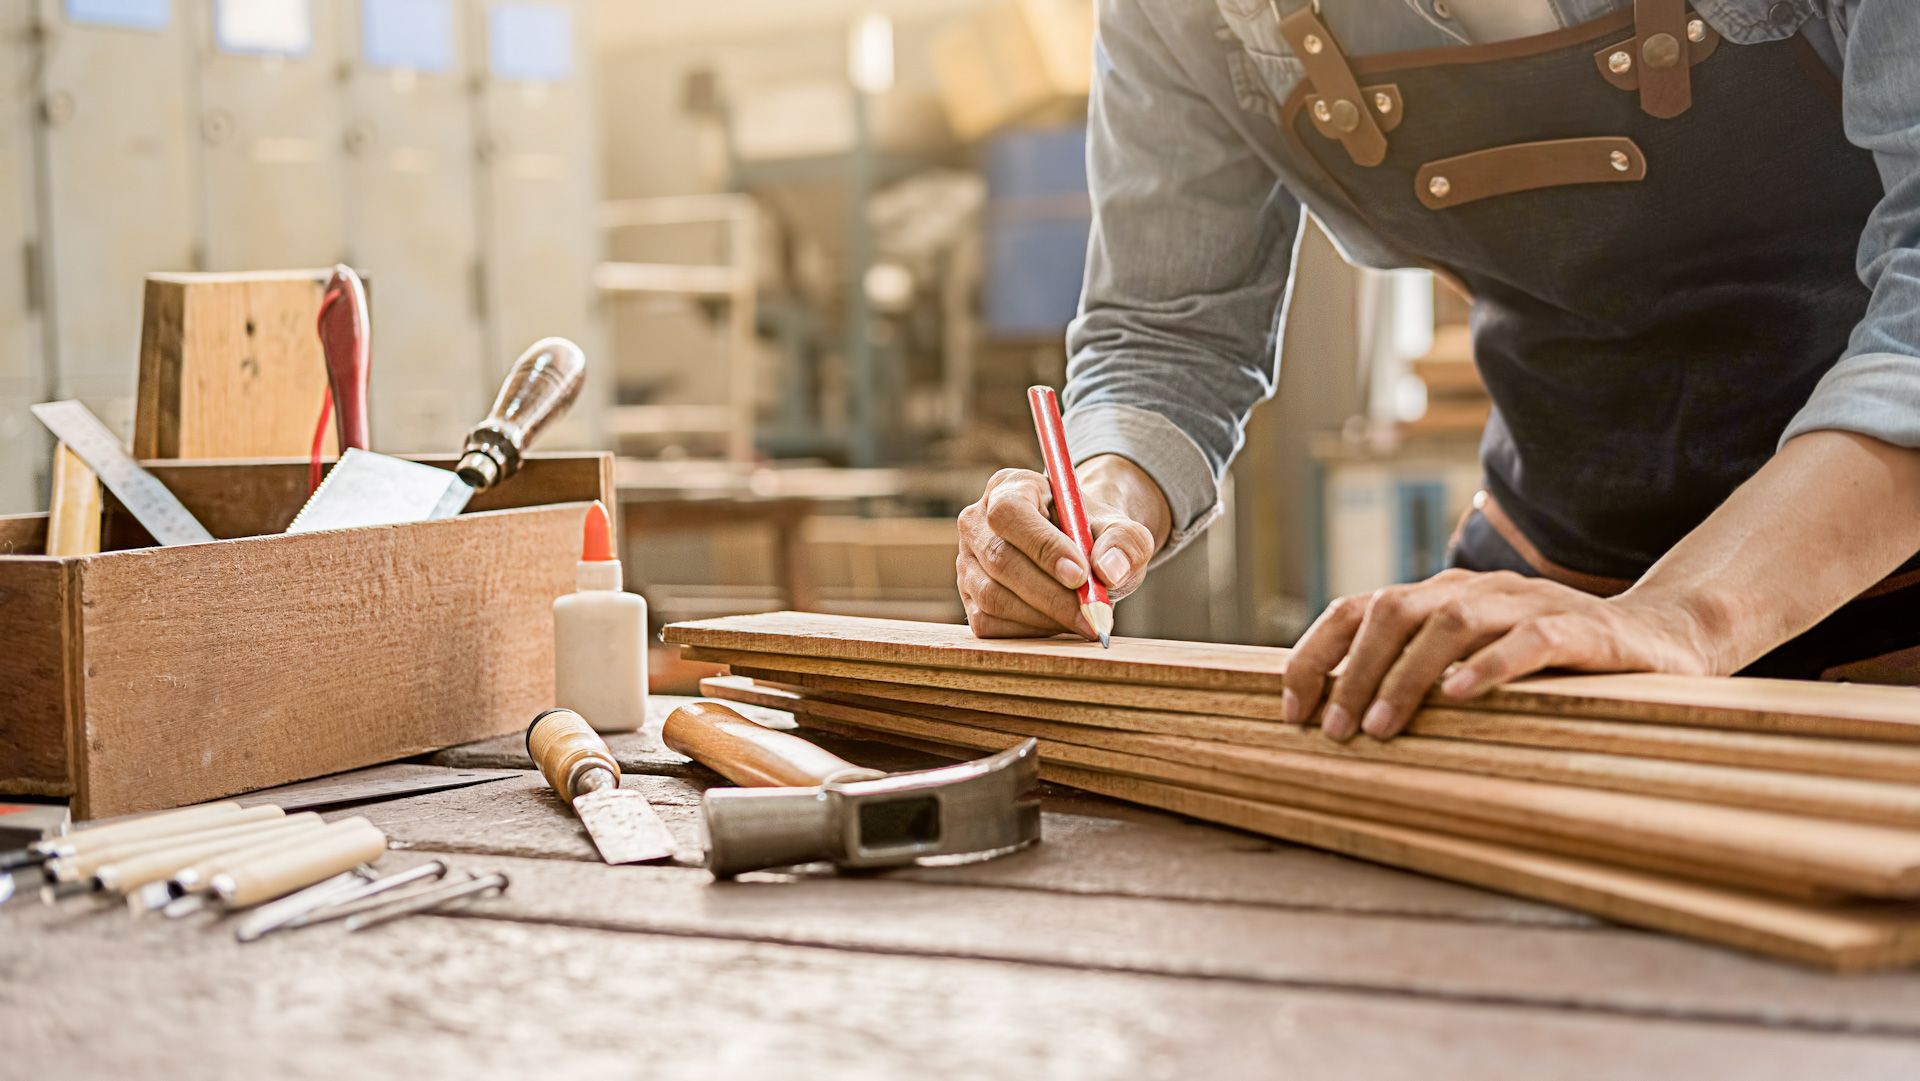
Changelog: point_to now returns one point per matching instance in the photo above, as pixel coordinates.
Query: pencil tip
(1106, 640)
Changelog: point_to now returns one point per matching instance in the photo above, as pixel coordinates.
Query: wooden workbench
(1130, 944)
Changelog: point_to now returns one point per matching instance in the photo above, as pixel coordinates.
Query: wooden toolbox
(145, 677)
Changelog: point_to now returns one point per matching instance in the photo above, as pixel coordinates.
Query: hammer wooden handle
(751, 754)
(563, 745)
(341, 846)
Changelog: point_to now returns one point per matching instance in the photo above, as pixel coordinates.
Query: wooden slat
(36, 600)
(201, 680)
(1144, 696)
(1873, 802)
(1841, 935)
(1844, 711)
(1866, 760)
(1406, 797)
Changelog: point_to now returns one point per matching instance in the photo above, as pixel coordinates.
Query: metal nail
(268, 917)
(369, 897)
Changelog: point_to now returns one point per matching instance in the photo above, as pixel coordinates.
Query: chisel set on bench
(273, 869)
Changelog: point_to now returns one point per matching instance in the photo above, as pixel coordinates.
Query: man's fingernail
(1336, 724)
(1069, 573)
(1115, 565)
(1379, 721)
(1290, 706)
(1460, 684)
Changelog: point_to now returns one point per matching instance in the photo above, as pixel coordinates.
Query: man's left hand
(1396, 642)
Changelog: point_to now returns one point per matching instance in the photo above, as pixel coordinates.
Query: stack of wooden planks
(1774, 816)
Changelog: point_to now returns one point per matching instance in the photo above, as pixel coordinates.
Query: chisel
(190, 879)
(123, 876)
(113, 832)
(338, 848)
(81, 865)
(576, 762)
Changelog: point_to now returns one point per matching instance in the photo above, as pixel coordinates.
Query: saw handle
(752, 754)
(344, 339)
(565, 746)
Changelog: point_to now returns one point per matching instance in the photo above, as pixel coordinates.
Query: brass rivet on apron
(1661, 51)
(1383, 101)
(1439, 186)
(1620, 62)
(1346, 115)
(1619, 160)
(1321, 112)
(1441, 9)
(1782, 14)
(1697, 30)
(1313, 44)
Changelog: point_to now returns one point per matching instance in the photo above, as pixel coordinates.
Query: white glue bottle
(600, 639)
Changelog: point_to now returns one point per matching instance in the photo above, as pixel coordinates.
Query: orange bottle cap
(597, 545)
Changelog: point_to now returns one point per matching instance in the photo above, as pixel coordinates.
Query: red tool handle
(1067, 508)
(345, 342)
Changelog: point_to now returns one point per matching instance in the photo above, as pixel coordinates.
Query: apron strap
(1666, 71)
(1348, 114)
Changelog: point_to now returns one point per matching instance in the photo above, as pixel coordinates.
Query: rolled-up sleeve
(1192, 237)
(1875, 387)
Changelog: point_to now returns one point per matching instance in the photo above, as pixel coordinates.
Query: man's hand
(1396, 642)
(1017, 571)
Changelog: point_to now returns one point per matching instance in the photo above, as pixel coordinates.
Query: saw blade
(624, 826)
(148, 500)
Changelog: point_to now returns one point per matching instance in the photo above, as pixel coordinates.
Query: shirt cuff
(1874, 394)
(1157, 445)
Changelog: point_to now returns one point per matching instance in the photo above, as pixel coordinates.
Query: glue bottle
(600, 639)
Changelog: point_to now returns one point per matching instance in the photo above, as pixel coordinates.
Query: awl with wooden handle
(576, 762)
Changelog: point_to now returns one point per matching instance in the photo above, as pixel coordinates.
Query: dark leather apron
(1658, 229)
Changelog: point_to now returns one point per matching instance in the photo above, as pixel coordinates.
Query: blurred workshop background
(815, 249)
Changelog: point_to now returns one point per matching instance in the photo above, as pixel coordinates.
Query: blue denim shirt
(1197, 206)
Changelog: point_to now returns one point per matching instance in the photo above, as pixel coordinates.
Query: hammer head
(956, 813)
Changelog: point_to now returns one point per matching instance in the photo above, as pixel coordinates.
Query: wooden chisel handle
(194, 877)
(158, 824)
(342, 846)
(565, 746)
(240, 823)
(126, 875)
(751, 754)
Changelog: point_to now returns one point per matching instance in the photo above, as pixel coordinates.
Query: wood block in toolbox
(147, 678)
(230, 365)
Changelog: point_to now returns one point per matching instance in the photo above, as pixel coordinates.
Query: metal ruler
(137, 490)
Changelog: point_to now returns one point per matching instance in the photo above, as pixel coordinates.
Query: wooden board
(1875, 802)
(1425, 799)
(199, 683)
(1866, 760)
(1143, 696)
(230, 365)
(1834, 710)
(1846, 936)
(38, 597)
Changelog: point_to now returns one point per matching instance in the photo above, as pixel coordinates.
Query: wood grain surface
(230, 365)
(1873, 802)
(1840, 935)
(38, 601)
(1863, 759)
(1570, 824)
(200, 682)
(1130, 943)
(1822, 709)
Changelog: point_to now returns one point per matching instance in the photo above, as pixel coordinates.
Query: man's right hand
(1018, 572)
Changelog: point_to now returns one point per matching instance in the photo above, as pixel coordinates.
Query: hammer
(804, 805)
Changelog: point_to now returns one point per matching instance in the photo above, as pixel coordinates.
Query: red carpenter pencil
(1095, 605)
